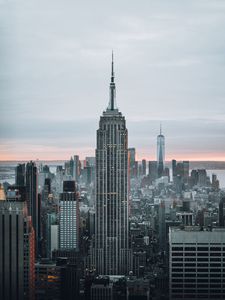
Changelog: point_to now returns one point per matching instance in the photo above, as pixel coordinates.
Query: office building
(112, 253)
(32, 197)
(132, 162)
(153, 173)
(20, 175)
(143, 167)
(69, 217)
(48, 279)
(17, 251)
(160, 153)
(222, 212)
(162, 226)
(76, 168)
(174, 166)
(215, 182)
(137, 288)
(102, 289)
(186, 171)
(196, 263)
(202, 177)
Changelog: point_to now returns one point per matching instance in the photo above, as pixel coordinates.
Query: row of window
(192, 270)
(191, 285)
(198, 248)
(198, 280)
(198, 275)
(197, 297)
(200, 291)
(198, 259)
(198, 254)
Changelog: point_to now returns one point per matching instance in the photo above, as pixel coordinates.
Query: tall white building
(69, 217)
(196, 263)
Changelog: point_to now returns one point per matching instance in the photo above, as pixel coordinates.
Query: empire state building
(112, 255)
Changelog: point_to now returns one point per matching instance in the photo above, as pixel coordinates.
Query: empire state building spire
(112, 90)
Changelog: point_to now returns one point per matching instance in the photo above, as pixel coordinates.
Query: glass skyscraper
(160, 153)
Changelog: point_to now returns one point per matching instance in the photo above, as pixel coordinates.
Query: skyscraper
(76, 170)
(196, 258)
(69, 217)
(162, 226)
(160, 153)
(20, 175)
(174, 168)
(32, 197)
(222, 212)
(16, 249)
(143, 164)
(112, 253)
(133, 171)
(152, 171)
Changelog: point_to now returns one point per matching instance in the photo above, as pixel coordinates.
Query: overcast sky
(55, 61)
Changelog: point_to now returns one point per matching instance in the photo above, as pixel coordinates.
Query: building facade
(160, 153)
(197, 263)
(32, 197)
(222, 212)
(112, 253)
(69, 217)
(17, 250)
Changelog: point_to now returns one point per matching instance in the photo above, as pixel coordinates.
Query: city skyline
(112, 150)
(170, 69)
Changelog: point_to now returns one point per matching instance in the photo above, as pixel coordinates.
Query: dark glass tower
(20, 175)
(112, 254)
(222, 212)
(32, 197)
(160, 153)
(17, 253)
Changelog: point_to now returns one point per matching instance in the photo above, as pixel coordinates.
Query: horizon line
(51, 160)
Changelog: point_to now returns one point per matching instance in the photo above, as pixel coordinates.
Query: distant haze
(55, 61)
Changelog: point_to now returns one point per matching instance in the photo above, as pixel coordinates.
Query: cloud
(55, 70)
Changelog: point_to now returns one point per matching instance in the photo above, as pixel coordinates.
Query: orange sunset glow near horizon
(83, 153)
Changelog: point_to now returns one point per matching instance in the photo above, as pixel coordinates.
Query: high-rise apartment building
(69, 217)
(112, 253)
(17, 250)
(160, 153)
(196, 263)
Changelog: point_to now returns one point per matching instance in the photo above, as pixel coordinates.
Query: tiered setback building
(112, 253)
